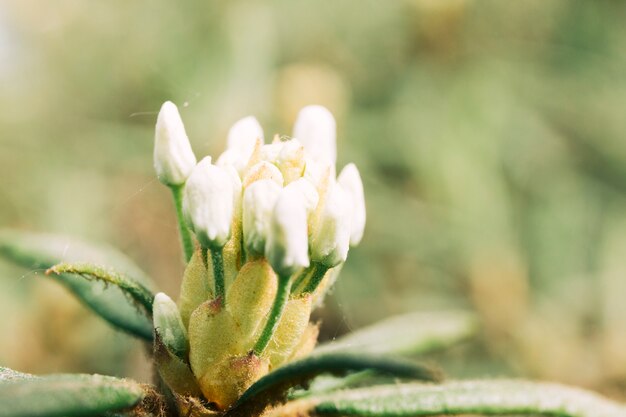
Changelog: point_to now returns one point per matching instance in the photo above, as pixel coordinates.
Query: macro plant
(265, 229)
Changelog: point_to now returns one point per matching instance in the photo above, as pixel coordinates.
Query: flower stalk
(319, 271)
(282, 296)
(185, 233)
(217, 260)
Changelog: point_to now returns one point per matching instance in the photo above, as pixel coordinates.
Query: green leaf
(497, 397)
(275, 384)
(67, 395)
(138, 293)
(408, 334)
(42, 251)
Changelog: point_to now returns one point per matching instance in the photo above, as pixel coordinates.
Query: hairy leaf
(275, 384)
(497, 397)
(67, 395)
(413, 333)
(7, 374)
(42, 251)
(138, 293)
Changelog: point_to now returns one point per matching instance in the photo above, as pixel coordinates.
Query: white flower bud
(303, 189)
(263, 171)
(235, 180)
(290, 160)
(270, 151)
(208, 203)
(287, 247)
(243, 136)
(231, 157)
(350, 180)
(331, 236)
(259, 200)
(316, 129)
(314, 171)
(173, 158)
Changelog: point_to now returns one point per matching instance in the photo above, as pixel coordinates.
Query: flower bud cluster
(272, 221)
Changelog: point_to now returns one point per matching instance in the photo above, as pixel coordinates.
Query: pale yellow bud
(250, 298)
(225, 382)
(213, 336)
(289, 332)
(196, 287)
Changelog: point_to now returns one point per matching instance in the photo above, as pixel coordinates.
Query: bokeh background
(490, 137)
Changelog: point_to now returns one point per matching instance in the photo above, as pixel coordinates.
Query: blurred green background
(490, 136)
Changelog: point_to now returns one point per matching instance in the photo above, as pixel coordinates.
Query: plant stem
(217, 260)
(319, 271)
(282, 295)
(185, 233)
(300, 279)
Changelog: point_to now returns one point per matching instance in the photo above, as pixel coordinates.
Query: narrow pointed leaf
(408, 334)
(497, 397)
(42, 251)
(137, 292)
(67, 396)
(275, 384)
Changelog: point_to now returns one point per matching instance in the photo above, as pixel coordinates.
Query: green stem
(300, 279)
(319, 271)
(282, 295)
(185, 233)
(217, 260)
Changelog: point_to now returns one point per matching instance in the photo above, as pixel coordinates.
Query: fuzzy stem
(319, 271)
(185, 233)
(217, 260)
(282, 295)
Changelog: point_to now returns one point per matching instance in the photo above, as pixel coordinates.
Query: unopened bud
(303, 189)
(259, 200)
(173, 158)
(290, 160)
(350, 180)
(169, 325)
(270, 151)
(208, 203)
(287, 244)
(261, 171)
(235, 180)
(331, 236)
(243, 135)
(231, 157)
(316, 129)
